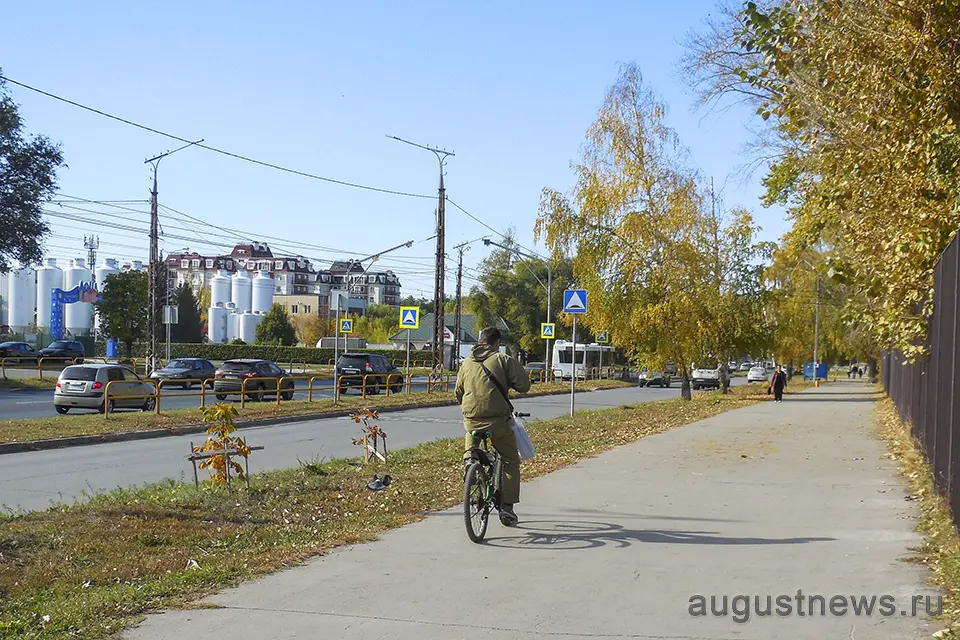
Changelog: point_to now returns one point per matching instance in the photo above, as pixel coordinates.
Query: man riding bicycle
(483, 381)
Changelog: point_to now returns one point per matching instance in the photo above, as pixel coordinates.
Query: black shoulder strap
(497, 384)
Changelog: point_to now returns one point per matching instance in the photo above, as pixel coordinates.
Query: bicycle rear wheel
(476, 510)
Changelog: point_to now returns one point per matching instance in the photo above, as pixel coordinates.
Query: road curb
(149, 434)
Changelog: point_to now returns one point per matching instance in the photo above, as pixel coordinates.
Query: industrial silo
(262, 292)
(22, 299)
(242, 291)
(217, 323)
(104, 271)
(247, 327)
(220, 289)
(232, 322)
(78, 316)
(49, 277)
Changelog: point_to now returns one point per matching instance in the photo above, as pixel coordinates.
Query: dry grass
(93, 424)
(94, 568)
(941, 548)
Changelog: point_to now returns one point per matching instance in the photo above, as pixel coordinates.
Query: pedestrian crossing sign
(346, 326)
(547, 330)
(603, 337)
(409, 317)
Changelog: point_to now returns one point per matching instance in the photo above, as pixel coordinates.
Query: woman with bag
(777, 383)
(483, 382)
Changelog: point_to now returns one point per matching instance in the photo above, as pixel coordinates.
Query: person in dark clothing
(778, 382)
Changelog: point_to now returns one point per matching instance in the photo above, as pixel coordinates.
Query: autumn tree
(631, 226)
(861, 110)
(188, 328)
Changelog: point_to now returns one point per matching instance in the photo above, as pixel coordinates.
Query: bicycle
(481, 484)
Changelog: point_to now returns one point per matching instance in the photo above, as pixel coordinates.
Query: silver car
(82, 387)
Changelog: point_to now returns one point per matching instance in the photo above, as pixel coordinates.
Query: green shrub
(278, 354)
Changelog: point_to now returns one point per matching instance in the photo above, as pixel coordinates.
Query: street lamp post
(548, 287)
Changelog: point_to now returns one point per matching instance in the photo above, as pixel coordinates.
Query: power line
(238, 156)
(481, 222)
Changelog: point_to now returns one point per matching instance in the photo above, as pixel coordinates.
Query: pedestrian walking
(860, 372)
(777, 383)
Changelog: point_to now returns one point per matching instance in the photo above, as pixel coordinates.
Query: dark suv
(261, 377)
(66, 349)
(353, 367)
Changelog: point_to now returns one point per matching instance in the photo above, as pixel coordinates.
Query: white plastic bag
(524, 445)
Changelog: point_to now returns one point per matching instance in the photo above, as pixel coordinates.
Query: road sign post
(575, 303)
(410, 319)
(603, 337)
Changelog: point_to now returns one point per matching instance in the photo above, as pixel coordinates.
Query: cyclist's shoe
(508, 516)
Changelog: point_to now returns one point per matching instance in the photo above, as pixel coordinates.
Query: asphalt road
(36, 479)
(23, 404)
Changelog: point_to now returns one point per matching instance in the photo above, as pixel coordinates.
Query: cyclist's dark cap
(490, 335)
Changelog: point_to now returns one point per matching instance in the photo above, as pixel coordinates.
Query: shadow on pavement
(554, 535)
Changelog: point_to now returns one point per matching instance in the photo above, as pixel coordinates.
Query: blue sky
(316, 87)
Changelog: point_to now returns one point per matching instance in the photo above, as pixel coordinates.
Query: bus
(588, 357)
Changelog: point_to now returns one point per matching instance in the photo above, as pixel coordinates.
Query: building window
(184, 264)
(209, 263)
(293, 309)
(306, 308)
(195, 263)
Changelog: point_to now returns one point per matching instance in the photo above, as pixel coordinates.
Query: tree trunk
(872, 369)
(685, 386)
(724, 379)
(129, 345)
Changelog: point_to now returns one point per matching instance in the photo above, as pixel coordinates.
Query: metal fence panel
(924, 391)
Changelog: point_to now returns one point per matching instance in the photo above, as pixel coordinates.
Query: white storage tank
(49, 277)
(77, 317)
(22, 298)
(262, 292)
(217, 323)
(247, 327)
(4, 298)
(220, 288)
(232, 318)
(104, 271)
(241, 293)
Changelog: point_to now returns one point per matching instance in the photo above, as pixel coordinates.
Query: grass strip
(27, 383)
(88, 570)
(940, 551)
(55, 426)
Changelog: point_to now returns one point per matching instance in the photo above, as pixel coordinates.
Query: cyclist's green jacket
(483, 405)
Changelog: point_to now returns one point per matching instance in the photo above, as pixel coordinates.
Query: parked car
(758, 374)
(261, 377)
(706, 378)
(82, 386)
(354, 367)
(745, 366)
(66, 349)
(537, 371)
(18, 350)
(191, 369)
(654, 378)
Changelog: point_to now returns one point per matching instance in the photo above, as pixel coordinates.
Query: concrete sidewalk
(762, 501)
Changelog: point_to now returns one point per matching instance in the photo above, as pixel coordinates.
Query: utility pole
(456, 331)
(154, 269)
(436, 343)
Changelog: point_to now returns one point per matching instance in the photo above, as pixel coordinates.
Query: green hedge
(277, 354)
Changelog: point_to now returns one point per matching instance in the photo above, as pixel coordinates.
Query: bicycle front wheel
(476, 509)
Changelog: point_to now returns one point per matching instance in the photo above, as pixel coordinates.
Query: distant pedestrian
(854, 370)
(778, 382)
(860, 371)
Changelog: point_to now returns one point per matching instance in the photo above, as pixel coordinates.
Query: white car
(758, 374)
(746, 366)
